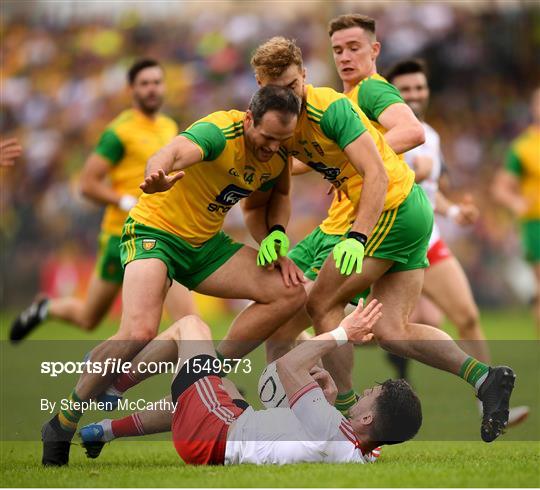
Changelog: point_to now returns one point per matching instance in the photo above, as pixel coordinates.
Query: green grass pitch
(447, 452)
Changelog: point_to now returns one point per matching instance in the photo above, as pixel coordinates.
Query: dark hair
(274, 98)
(347, 21)
(398, 413)
(406, 67)
(138, 66)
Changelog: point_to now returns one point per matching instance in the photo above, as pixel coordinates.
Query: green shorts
(530, 237)
(402, 234)
(311, 252)
(109, 266)
(185, 263)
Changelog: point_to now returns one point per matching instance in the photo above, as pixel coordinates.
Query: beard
(150, 104)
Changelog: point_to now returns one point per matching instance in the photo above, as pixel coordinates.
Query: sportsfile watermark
(37, 379)
(115, 366)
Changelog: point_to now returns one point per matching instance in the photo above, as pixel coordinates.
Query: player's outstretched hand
(159, 182)
(325, 381)
(290, 272)
(468, 212)
(360, 322)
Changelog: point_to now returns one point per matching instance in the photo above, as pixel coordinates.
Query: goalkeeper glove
(276, 239)
(349, 252)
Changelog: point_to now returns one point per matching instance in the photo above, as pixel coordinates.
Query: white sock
(111, 390)
(480, 406)
(44, 310)
(480, 381)
(107, 430)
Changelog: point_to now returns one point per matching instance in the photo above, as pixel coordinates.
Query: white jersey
(432, 149)
(310, 431)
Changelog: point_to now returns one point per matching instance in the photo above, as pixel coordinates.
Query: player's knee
(88, 324)
(296, 297)
(141, 334)
(389, 332)
(468, 320)
(191, 327)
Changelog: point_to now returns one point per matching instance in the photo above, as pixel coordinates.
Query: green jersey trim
(513, 163)
(110, 147)
(208, 137)
(268, 185)
(283, 153)
(341, 123)
(374, 96)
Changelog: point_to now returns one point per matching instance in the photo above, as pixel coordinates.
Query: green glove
(347, 253)
(276, 239)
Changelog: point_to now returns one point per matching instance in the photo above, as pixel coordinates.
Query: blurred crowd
(63, 79)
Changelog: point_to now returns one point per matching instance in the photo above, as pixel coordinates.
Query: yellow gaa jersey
(195, 207)
(373, 95)
(327, 124)
(127, 143)
(523, 160)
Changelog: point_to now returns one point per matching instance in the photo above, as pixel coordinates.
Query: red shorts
(438, 251)
(201, 421)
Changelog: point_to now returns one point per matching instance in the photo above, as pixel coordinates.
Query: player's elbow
(86, 188)
(284, 366)
(418, 135)
(381, 177)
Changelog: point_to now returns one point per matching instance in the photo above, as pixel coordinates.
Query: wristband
(340, 336)
(276, 228)
(127, 202)
(453, 211)
(358, 236)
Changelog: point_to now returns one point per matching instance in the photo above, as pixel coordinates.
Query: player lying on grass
(213, 424)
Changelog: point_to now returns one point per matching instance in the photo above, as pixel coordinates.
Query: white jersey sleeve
(319, 419)
(432, 149)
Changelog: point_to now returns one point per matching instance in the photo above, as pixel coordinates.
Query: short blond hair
(273, 57)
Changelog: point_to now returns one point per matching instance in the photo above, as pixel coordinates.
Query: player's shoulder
(166, 121)
(125, 118)
(230, 123)
(373, 81)
(530, 133)
(319, 99)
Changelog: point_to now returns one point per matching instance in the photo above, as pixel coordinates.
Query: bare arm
(404, 130)
(299, 168)
(422, 167)
(364, 156)
(463, 213)
(262, 210)
(178, 155)
(93, 182)
(295, 366)
(505, 190)
(254, 210)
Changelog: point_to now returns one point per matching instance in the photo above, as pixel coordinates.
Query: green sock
(70, 416)
(474, 372)
(344, 401)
